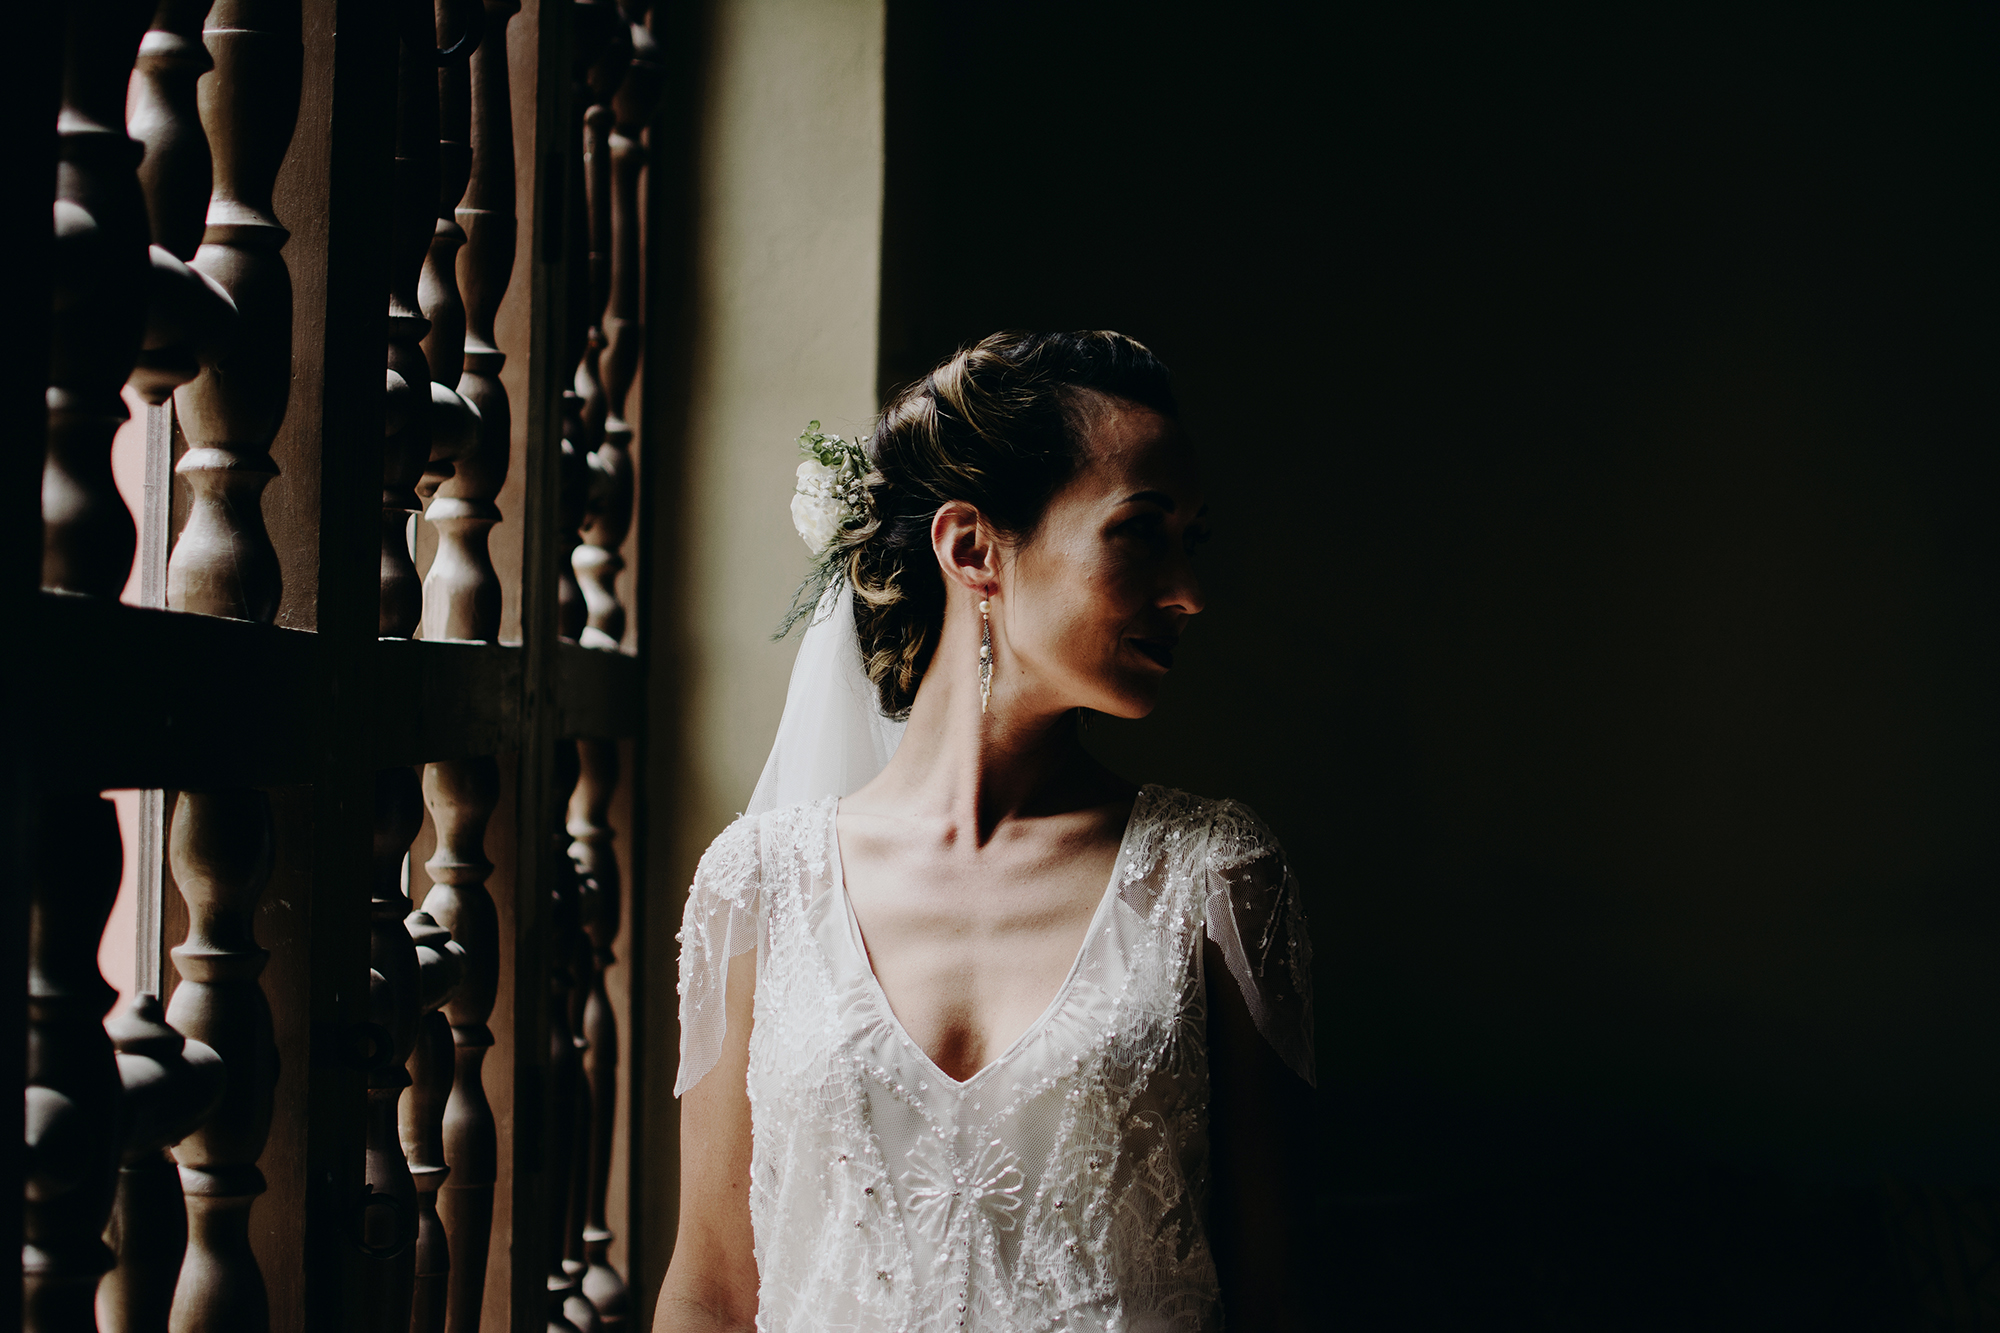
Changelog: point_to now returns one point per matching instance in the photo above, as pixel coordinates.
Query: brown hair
(1000, 425)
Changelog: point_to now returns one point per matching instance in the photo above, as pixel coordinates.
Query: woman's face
(1094, 601)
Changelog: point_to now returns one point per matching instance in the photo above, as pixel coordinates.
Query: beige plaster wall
(788, 239)
(779, 134)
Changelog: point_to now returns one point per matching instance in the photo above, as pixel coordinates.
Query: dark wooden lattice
(366, 1093)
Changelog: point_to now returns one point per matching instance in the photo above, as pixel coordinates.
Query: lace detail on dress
(723, 919)
(1060, 1188)
(1257, 920)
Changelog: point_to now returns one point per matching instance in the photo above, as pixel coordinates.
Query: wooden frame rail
(435, 701)
(371, 277)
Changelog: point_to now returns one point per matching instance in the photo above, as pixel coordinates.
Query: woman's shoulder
(1226, 832)
(753, 844)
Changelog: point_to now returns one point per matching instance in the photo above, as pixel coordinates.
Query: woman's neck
(976, 769)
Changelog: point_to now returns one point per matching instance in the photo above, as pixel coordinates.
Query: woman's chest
(969, 957)
(1064, 1174)
(1126, 1018)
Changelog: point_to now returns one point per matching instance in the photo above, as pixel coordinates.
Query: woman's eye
(1145, 525)
(1193, 539)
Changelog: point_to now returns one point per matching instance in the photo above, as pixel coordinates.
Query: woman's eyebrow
(1163, 500)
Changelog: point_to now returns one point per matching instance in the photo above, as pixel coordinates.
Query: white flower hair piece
(832, 497)
(832, 492)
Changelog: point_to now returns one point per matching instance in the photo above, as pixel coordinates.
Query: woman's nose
(1183, 592)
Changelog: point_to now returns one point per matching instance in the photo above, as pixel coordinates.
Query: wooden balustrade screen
(371, 1076)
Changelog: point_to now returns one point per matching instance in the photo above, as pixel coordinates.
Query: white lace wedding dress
(1060, 1187)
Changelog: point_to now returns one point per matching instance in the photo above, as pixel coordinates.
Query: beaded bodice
(1059, 1188)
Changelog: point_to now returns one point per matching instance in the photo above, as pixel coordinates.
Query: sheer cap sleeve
(723, 918)
(1258, 922)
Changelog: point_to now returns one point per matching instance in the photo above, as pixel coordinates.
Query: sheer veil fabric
(1062, 1186)
(832, 738)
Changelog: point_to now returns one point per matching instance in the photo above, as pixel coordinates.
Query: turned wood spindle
(190, 319)
(162, 115)
(462, 601)
(454, 434)
(171, 1085)
(593, 852)
(581, 1309)
(454, 421)
(572, 497)
(390, 1221)
(223, 563)
(406, 446)
(611, 463)
(607, 34)
(459, 27)
(100, 283)
(591, 570)
(461, 796)
(598, 46)
(567, 1308)
(634, 105)
(462, 590)
(609, 513)
(72, 1093)
(220, 847)
(440, 967)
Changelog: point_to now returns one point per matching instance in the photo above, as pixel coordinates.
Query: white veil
(833, 738)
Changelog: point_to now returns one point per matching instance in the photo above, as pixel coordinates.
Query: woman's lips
(1159, 650)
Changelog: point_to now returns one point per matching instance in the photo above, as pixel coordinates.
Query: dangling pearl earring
(985, 654)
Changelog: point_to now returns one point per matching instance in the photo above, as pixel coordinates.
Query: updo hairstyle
(1001, 426)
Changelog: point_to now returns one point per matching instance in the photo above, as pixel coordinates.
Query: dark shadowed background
(1598, 418)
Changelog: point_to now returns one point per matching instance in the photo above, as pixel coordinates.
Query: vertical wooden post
(567, 1307)
(634, 106)
(602, 47)
(160, 1070)
(220, 846)
(544, 559)
(163, 115)
(595, 856)
(71, 1110)
(462, 591)
(31, 99)
(224, 563)
(440, 967)
(616, 331)
(190, 320)
(599, 52)
(462, 600)
(101, 265)
(390, 1219)
(356, 94)
(455, 424)
(171, 1085)
(406, 448)
(72, 1079)
(461, 796)
(598, 563)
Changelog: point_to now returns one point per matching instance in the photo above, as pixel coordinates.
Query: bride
(989, 1038)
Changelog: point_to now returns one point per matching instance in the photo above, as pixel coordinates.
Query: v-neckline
(880, 997)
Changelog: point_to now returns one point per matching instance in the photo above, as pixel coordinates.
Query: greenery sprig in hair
(832, 498)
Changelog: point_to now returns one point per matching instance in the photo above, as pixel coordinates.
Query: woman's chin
(1130, 697)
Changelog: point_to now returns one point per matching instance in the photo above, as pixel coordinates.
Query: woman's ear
(965, 546)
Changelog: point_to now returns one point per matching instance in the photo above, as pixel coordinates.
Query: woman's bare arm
(1261, 1144)
(711, 1285)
